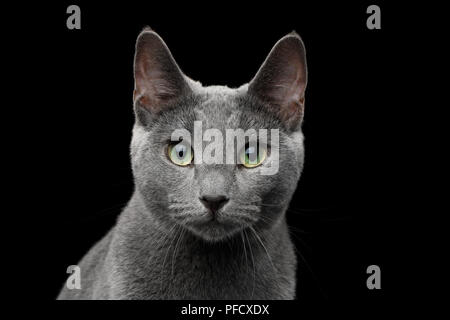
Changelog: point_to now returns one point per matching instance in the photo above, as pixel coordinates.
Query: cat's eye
(181, 154)
(253, 156)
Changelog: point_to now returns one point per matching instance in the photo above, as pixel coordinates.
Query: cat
(200, 231)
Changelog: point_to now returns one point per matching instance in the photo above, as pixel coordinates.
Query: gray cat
(195, 230)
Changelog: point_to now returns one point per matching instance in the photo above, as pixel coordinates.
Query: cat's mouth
(217, 226)
(214, 230)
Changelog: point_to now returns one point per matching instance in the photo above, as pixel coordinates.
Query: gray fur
(157, 250)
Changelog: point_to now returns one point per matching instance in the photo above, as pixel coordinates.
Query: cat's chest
(211, 277)
(203, 275)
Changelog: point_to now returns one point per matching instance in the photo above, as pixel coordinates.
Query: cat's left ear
(281, 80)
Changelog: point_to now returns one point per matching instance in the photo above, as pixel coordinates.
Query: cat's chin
(214, 231)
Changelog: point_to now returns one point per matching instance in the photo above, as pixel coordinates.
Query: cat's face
(217, 200)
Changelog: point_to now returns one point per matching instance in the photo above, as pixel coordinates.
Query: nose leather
(214, 202)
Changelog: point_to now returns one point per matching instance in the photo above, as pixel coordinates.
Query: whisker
(265, 249)
(253, 263)
(161, 243)
(298, 230)
(245, 249)
(167, 252)
(174, 254)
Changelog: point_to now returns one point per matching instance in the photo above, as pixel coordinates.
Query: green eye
(180, 154)
(250, 157)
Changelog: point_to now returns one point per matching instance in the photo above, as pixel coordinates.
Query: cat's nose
(214, 202)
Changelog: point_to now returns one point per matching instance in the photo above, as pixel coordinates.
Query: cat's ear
(158, 79)
(281, 80)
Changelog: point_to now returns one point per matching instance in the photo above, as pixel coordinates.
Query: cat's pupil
(250, 150)
(251, 153)
(180, 151)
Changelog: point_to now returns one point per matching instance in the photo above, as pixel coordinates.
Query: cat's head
(182, 179)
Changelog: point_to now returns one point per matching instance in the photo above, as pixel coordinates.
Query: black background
(343, 212)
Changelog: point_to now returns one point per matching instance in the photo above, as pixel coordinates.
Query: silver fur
(162, 246)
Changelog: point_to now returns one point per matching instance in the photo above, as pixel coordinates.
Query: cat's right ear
(158, 80)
